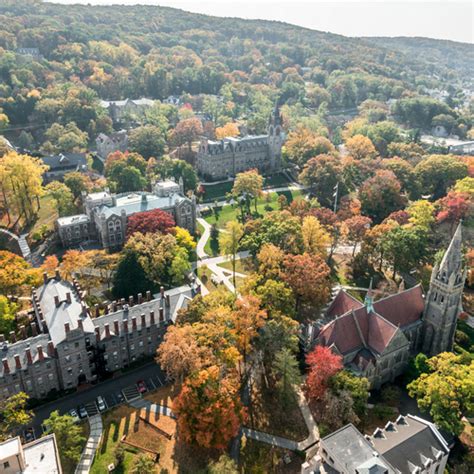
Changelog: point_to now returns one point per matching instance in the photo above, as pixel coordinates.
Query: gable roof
(342, 303)
(65, 161)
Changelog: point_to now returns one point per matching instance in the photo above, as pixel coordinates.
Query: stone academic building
(71, 345)
(218, 160)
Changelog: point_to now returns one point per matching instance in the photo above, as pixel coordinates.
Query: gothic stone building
(225, 158)
(377, 339)
(106, 214)
(69, 346)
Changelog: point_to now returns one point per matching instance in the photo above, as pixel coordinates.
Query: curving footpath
(95, 435)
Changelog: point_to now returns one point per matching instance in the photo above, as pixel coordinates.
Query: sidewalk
(95, 435)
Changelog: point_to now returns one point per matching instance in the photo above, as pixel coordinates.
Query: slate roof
(134, 202)
(232, 144)
(122, 103)
(9, 350)
(77, 219)
(353, 328)
(56, 317)
(65, 161)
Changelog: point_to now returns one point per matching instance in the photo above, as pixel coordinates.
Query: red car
(141, 386)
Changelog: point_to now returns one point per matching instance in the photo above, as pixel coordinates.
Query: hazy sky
(443, 19)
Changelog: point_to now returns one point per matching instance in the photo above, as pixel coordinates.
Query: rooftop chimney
(12, 336)
(162, 291)
(51, 349)
(68, 297)
(143, 320)
(23, 331)
(80, 324)
(57, 274)
(45, 278)
(34, 329)
(97, 334)
(125, 327)
(67, 328)
(162, 318)
(29, 357)
(148, 295)
(134, 323)
(17, 361)
(168, 300)
(114, 306)
(107, 330)
(140, 298)
(6, 367)
(116, 328)
(40, 353)
(152, 318)
(56, 300)
(130, 301)
(96, 310)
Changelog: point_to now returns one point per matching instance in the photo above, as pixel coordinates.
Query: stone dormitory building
(222, 159)
(71, 345)
(377, 339)
(106, 214)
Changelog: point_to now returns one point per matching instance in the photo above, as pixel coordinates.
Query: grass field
(231, 212)
(243, 265)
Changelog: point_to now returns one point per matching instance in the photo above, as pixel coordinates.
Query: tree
(62, 197)
(67, 138)
(248, 185)
(178, 169)
(229, 242)
(179, 354)
(143, 465)
(316, 239)
(276, 297)
(323, 364)
(21, 178)
(77, 183)
(208, 409)
(287, 374)
(355, 228)
(228, 130)
(437, 173)
(322, 174)
(68, 435)
(357, 387)
(381, 195)
(8, 311)
(405, 174)
(150, 222)
(15, 273)
(303, 144)
(125, 172)
(421, 214)
(224, 465)
(148, 141)
(73, 262)
(180, 266)
(308, 277)
(187, 131)
(184, 239)
(361, 147)
(454, 207)
(14, 415)
(446, 391)
(105, 263)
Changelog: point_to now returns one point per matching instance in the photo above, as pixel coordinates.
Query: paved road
(106, 389)
(204, 238)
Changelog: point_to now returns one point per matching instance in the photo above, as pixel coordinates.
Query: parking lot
(114, 392)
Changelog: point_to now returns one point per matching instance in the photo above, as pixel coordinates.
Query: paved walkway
(95, 435)
(312, 438)
(152, 407)
(204, 238)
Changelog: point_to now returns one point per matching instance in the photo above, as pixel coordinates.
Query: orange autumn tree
(208, 409)
(228, 130)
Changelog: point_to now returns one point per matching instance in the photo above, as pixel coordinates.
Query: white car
(101, 403)
(73, 414)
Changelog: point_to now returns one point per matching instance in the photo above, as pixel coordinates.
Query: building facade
(107, 144)
(408, 445)
(218, 160)
(121, 111)
(72, 344)
(377, 339)
(106, 215)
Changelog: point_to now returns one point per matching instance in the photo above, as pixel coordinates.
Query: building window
(50, 376)
(6, 465)
(76, 344)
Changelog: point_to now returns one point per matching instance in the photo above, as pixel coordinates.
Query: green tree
(7, 315)
(67, 138)
(68, 436)
(76, 182)
(446, 391)
(148, 141)
(287, 374)
(14, 415)
(358, 387)
(143, 465)
(276, 297)
(224, 465)
(180, 266)
(229, 242)
(248, 185)
(63, 197)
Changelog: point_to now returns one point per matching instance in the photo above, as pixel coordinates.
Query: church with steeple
(376, 339)
(222, 159)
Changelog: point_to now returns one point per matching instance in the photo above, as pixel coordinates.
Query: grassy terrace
(231, 212)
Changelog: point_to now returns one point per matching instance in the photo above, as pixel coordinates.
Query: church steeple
(369, 299)
(443, 302)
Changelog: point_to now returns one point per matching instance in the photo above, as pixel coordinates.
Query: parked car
(73, 414)
(101, 403)
(82, 411)
(29, 435)
(119, 396)
(141, 386)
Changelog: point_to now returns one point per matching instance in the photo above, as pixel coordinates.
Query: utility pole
(335, 195)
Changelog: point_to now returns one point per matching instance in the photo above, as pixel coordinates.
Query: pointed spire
(369, 301)
(452, 259)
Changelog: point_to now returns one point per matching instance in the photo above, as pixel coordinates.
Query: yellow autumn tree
(228, 130)
(361, 147)
(316, 239)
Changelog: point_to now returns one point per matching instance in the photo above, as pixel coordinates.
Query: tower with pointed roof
(444, 299)
(275, 138)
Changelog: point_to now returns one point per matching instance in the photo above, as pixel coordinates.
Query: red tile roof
(402, 308)
(342, 303)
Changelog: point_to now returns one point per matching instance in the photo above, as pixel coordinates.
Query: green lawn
(216, 191)
(231, 212)
(243, 265)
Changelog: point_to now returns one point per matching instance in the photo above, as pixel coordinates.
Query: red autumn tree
(355, 229)
(308, 276)
(187, 131)
(208, 409)
(454, 207)
(150, 222)
(323, 364)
